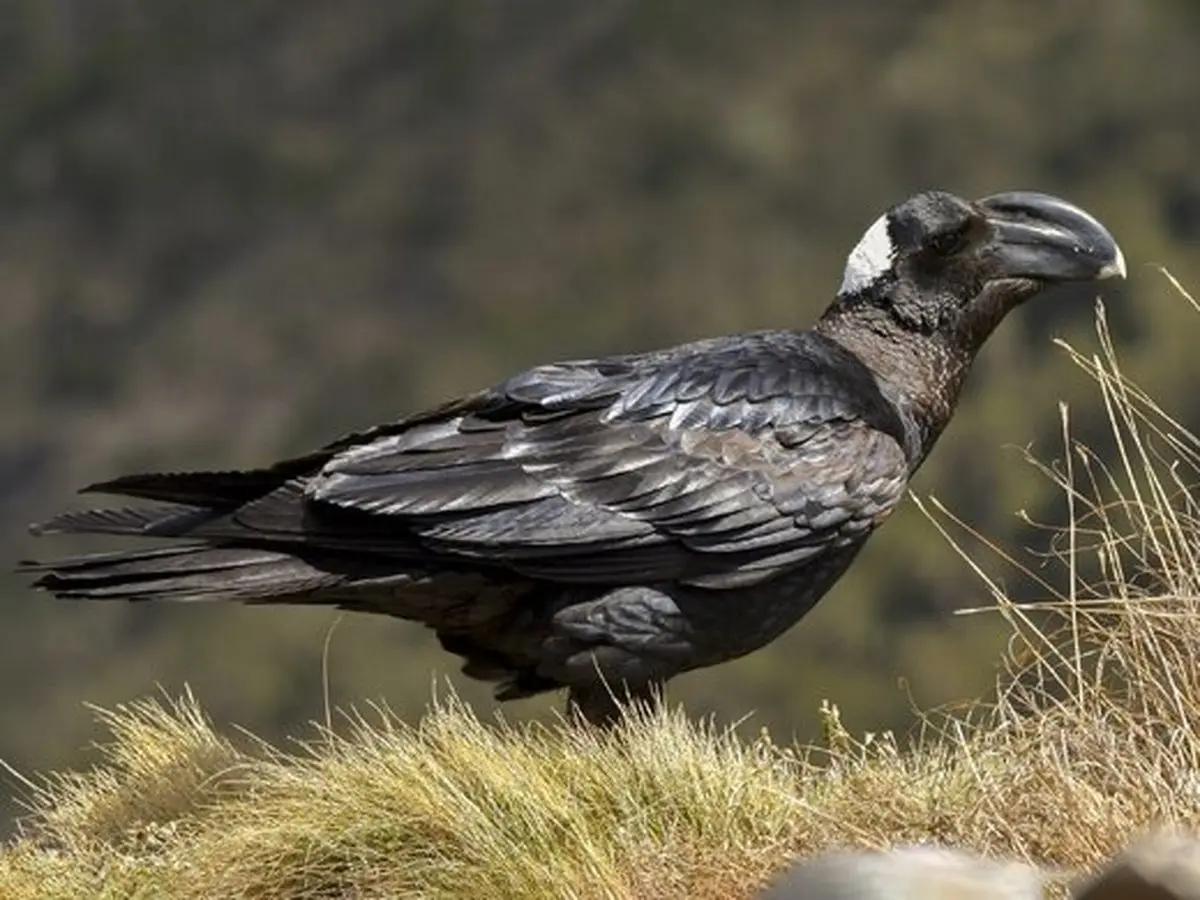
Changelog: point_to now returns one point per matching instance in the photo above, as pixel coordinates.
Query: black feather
(154, 521)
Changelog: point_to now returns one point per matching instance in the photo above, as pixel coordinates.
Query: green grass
(1092, 736)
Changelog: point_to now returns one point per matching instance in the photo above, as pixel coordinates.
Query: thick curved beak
(1042, 237)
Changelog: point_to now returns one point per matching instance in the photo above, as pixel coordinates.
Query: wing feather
(749, 457)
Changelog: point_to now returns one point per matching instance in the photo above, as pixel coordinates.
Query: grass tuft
(1093, 735)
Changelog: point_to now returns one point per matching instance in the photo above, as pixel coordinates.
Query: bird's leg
(602, 705)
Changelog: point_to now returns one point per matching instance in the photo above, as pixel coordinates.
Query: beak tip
(1114, 269)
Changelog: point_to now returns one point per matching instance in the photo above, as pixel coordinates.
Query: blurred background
(233, 231)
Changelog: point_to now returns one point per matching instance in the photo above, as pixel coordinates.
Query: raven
(606, 524)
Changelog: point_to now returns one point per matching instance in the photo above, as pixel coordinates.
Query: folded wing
(716, 467)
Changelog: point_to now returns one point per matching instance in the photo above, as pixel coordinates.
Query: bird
(603, 525)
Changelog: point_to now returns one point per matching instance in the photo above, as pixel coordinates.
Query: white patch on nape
(870, 258)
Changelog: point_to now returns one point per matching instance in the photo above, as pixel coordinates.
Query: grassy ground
(1093, 735)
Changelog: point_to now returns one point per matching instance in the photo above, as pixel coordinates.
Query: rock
(923, 872)
(1163, 866)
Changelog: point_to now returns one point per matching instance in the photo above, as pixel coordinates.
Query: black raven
(603, 525)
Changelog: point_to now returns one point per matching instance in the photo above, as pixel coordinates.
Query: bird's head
(938, 263)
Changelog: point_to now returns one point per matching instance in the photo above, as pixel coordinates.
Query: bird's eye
(949, 242)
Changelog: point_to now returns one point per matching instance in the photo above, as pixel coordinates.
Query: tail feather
(194, 572)
(225, 490)
(160, 521)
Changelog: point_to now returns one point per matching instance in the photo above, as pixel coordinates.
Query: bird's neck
(921, 373)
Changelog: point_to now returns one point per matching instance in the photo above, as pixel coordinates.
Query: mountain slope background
(233, 231)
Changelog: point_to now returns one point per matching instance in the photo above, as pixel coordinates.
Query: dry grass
(1092, 737)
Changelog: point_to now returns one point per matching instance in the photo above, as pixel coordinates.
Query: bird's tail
(189, 572)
